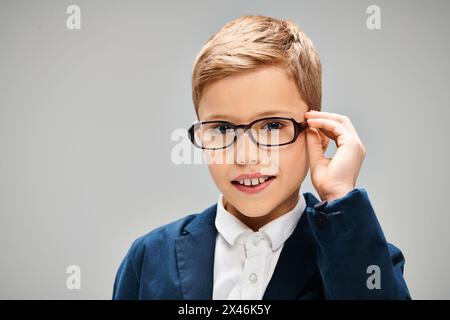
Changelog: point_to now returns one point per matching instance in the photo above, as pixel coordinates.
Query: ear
(324, 140)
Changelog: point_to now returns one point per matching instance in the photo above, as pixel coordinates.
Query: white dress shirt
(244, 260)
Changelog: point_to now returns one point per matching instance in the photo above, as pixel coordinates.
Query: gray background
(86, 118)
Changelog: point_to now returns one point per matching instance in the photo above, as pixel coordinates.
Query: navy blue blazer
(328, 256)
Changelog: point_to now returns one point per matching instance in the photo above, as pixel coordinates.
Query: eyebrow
(259, 115)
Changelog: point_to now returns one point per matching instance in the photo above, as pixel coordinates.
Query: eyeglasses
(268, 132)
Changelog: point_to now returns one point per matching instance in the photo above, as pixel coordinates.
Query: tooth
(255, 182)
(247, 182)
(241, 181)
(262, 179)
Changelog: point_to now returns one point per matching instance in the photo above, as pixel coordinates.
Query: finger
(326, 134)
(327, 115)
(332, 116)
(324, 139)
(332, 127)
(314, 145)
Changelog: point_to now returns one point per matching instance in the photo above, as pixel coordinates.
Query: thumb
(314, 145)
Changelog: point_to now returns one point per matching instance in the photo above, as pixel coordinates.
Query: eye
(223, 128)
(274, 125)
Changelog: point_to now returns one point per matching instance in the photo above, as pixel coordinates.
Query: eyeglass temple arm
(302, 125)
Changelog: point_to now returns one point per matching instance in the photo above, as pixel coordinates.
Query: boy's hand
(333, 177)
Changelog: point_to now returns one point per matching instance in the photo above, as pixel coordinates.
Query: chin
(254, 209)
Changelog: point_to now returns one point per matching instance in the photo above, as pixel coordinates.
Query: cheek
(294, 163)
(218, 174)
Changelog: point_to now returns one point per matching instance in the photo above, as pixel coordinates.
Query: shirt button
(253, 277)
(257, 240)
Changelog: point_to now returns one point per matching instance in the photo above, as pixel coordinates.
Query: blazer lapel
(294, 276)
(195, 256)
(296, 268)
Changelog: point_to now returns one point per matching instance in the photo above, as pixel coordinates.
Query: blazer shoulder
(162, 234)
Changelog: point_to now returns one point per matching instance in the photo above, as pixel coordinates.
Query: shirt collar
(278, 230)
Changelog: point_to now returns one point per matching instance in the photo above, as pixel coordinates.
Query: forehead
(246, 96)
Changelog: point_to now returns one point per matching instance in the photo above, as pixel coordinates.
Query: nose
(246, 150)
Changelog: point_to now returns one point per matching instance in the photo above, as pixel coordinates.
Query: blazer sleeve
(354, 258)
(126, 284)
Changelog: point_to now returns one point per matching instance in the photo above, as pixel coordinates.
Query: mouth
(253, 185)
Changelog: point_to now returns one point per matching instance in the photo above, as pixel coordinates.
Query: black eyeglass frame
(298, 127)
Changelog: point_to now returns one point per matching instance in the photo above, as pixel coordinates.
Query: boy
(257, 87)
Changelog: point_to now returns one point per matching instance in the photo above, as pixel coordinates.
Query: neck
(255, 223)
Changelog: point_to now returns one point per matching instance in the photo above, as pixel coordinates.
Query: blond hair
(254, 41)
